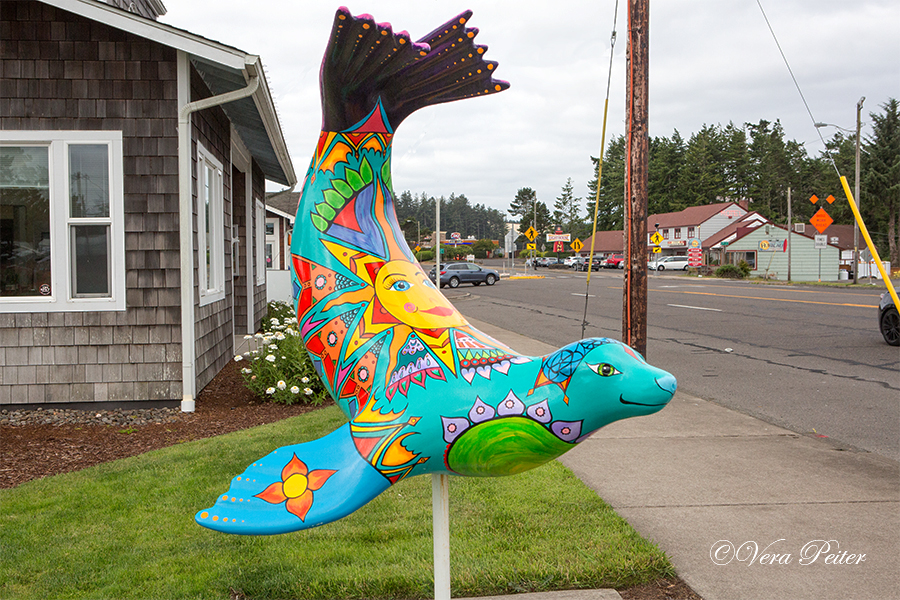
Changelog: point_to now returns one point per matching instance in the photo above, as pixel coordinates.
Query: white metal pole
(440, 502)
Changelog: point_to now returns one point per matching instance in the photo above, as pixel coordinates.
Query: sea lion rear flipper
(297, 487)
(366, 61)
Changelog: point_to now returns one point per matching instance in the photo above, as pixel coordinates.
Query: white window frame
(210, 281)
(275, 240)
(61, 297)
(260, 242)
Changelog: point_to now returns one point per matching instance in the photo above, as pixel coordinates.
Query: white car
(670, 263)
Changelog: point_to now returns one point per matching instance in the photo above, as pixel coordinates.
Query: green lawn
(126, 530)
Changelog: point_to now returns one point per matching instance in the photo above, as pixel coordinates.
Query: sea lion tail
(365, 61)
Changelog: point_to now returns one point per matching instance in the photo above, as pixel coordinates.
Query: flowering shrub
(277, 365)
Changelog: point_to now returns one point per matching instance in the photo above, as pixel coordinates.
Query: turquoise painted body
(423, 390)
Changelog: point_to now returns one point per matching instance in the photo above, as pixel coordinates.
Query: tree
(881, 176)
(483, 248)
(702, 179)
(612, 191)
(664, 172)
(567, 209)
(522, 206)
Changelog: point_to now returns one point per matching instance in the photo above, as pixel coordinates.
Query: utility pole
(634, 313)
(859, 106)
(790, 228)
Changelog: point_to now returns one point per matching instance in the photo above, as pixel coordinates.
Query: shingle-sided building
(133, 161)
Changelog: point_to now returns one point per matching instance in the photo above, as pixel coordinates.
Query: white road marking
(694, 307)
(582, 295)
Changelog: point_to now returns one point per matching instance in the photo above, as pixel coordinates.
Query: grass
(125, 529)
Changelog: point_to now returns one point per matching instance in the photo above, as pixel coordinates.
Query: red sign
(821, 220)
(695, 257)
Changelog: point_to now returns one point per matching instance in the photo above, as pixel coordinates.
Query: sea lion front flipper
(297, 487)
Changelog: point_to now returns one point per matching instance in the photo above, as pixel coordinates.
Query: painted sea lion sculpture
(423, 390)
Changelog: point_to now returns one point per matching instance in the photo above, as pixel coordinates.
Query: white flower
(270, 391)
(246, 371)
(273, 346)
(295, 389)
(254, 352)
(305, 379)
(279, 336)
(270, 358)
(281, 384)
(258, 336)
(284, 358)
(248, 337)
(307, 391)
(274, 321)
(238, 358)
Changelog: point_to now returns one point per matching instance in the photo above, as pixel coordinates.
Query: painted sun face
(409, 296)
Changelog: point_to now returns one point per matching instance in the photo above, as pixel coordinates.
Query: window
(690, 233)
(678, 233)
(736, 257)
(62, 241)
(273, 251)
(665, 234)
(260, 243)
(210, 226)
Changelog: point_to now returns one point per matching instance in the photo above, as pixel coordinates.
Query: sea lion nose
(667, 383)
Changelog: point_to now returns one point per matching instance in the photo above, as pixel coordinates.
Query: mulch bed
(39, 450)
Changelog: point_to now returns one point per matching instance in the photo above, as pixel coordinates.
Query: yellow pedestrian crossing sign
(530, 246)
(418, 248)
(656, 238)
(577, 245)
(657, 250)
(530, 233)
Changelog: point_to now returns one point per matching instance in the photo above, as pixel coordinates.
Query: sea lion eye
(604, 369)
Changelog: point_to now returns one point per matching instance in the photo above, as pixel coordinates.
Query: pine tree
(612, 190)
(567, 209)
(881, 175)
(522, 206)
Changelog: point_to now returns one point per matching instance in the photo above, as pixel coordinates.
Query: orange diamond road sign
(821, 220)
(814, 199)
(829, 199)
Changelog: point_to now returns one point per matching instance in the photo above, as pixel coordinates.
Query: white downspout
(186, 210)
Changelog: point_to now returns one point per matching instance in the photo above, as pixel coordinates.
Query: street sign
(694, 243)
(657, 250)
(821, 242)
(577, 245)
(813, 198)
(455, 235)
(530, 246)
(821, 220)
(656, 238)
(530, 233)
(558, 237)
(418, 248)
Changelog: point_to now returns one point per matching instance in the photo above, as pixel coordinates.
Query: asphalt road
(806, 358)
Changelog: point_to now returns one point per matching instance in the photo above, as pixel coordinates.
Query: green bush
(745, 268)
(425, 256)
(278, 366)
(730, 272)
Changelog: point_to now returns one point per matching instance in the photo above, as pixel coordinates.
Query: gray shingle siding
(63, 72)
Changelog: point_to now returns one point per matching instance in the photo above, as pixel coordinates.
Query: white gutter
(186, 211)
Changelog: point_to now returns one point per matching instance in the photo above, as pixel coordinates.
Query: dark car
(582, 263)
(889, 320)
(453, 274)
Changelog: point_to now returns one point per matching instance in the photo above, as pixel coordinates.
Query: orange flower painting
(296, 487)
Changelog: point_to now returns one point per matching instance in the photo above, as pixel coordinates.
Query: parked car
(453, 274)
(614, 261)
(570, 261)
(582, 264)
(889, 320)
(670, 263)
(546, 261)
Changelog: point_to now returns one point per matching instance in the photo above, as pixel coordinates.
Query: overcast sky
(711, 62)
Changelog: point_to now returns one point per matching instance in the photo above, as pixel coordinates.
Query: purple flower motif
(481, 412)
(540, 412)
(510, 406)
(567, 431)
(453, 427)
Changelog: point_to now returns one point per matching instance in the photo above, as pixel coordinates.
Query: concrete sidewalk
(710, 485)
